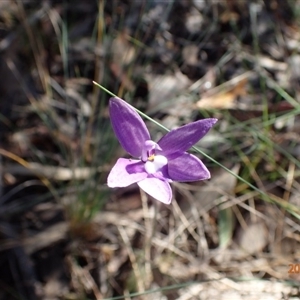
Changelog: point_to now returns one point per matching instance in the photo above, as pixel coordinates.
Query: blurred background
(64, 234)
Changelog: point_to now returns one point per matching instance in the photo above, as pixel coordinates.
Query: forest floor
(64, 234)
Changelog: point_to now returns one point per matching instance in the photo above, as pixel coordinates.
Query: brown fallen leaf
(123, 53)
(253, 238)
(224, 96)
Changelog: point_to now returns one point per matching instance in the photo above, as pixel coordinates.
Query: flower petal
(149, 148)
(158, 189)
(128, 126)
(183, 138)
(187, 167)
(156, 165)
(126, 172)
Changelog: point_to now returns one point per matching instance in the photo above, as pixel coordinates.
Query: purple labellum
(159, 163)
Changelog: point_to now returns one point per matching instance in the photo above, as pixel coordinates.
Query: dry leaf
(253, 239)
(165, 87)
(224, 96)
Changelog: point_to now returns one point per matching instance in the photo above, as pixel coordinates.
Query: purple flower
(159, 163)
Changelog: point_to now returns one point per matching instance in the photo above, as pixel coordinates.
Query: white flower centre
(155, 164)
